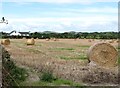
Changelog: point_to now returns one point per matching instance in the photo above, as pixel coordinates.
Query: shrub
(12, 75)
(47, 76)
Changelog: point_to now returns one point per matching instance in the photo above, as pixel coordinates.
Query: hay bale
(51, 38)
(75, 39)
(93, 39)
(111, 41)
(89, 40)
(104, 40)
(31, 41)
(24, 38)
(54, 39)
(47, 39)
(103, 54)
(5, 42)
(37, 38)
(118, 41)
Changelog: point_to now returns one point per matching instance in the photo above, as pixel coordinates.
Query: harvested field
(66, 58)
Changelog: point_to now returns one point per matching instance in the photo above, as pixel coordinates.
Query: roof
(24, 32)
(15, 33)
(12, 32)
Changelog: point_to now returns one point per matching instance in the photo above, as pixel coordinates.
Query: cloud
(95, 10)
(62, 1)
(85, 18)
(101, 19)
(93, 23)
(62, 27)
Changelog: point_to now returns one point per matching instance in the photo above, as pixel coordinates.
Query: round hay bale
(103, 54)
(54, 39)
(47, 39)
(75, 39)
(111, 41)
(89, 40)
(118, 41)
(31, 41)
(51, 38)
(5, 42)
(104, 40)
(93, 39)
(37, 38)
(24, 38)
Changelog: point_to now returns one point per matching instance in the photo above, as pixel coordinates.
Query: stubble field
(67, 58)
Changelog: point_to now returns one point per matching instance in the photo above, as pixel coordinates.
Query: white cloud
(96, 10)
(96, 27)
(85, 18)
(62, 1)
(93, 23)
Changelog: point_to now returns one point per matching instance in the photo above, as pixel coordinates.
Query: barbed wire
(11, 76)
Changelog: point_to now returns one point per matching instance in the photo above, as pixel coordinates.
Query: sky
(59, 15)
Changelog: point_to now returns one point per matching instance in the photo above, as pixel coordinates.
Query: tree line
(67, 35)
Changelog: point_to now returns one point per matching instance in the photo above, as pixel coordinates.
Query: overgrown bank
(12, 75)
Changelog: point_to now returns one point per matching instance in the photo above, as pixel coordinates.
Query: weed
(47, 76)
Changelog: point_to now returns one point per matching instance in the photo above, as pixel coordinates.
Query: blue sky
(60, 16)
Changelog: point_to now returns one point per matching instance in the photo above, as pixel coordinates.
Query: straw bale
(5, 42)
(47, 39)
(89, 40)
(103, 54)
(31, 41)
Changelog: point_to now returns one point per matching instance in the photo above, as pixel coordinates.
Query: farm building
(16, 34)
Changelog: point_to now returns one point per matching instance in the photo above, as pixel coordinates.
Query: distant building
(24, 33)
(15, 33)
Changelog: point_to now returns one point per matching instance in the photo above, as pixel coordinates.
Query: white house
(15, 33)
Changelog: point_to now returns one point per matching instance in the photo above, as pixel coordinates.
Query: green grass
(81, 57)
(71, 49)
(57, 82)
(40, 83)
(47, 76)
(83, 46)
(47, 79)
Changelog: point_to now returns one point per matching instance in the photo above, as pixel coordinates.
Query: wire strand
(11, 76)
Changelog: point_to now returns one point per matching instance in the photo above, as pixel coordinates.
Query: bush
(47, 76)
(12, 75)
